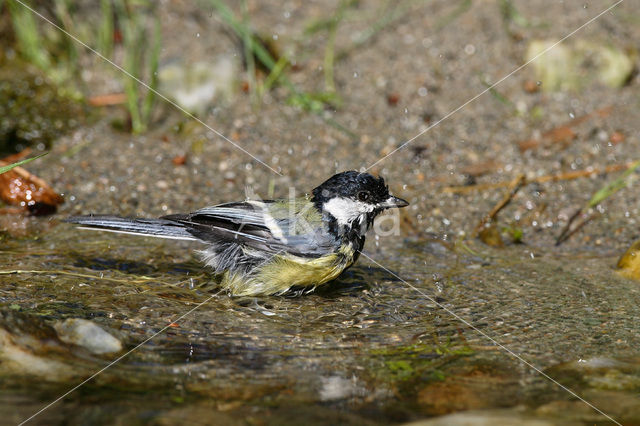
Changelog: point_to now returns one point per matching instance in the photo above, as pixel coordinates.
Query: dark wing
(262, 225)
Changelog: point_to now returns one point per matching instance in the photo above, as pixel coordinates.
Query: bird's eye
(363, 196)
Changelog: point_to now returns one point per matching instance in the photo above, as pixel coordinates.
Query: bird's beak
(392, 202)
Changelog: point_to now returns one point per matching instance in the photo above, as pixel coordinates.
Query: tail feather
(161, 228)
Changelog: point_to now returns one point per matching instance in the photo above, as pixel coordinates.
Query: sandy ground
(417, 71)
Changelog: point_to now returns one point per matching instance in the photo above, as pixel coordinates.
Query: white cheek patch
(346, 211)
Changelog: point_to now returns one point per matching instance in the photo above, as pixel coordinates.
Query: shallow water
(369, 348)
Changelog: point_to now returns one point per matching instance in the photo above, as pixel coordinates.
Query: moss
(32, 110)
(417, 361)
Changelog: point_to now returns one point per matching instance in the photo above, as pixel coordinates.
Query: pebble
(90, 336)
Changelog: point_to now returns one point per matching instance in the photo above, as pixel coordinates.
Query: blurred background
(522, 182)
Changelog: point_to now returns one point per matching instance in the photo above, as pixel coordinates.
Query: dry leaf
(18, 187)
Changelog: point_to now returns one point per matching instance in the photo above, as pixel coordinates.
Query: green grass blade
(29, 39)
(329, 58)
(275, 73)
(62, 11)
(154, 61)
(243, 31)
(106, 28)
(5, 169)
(613, 187)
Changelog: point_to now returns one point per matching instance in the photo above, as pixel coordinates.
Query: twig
(514, 187)
(568, 232)
(563, 235)
(75, 274)
(541, 179)
(602, 194)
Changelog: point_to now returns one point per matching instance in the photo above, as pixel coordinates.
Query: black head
(354, 198)
(354, 185)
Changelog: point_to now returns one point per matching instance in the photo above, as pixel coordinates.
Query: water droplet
(572, 115)
(197, 34)
(355, 74)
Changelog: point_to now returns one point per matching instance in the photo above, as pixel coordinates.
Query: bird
(273, 247)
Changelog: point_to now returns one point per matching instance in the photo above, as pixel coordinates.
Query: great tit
(270, 247)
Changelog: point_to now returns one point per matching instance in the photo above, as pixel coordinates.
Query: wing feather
(262, 225)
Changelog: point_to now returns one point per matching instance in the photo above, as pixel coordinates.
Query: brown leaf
(393, 99)
(14, 158)
(561, 134)
(530, 86)
(617, 137)
(528, 144)
(108, 99)
(482, 168)
(18, 187)
(179, 160)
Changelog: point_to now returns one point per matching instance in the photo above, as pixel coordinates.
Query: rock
(336, 387)
(483, 418)
(90, 336)
(571, 65)
(472, 387)
(28, 346)
(601, 373)
(17, 357)
(195, 86)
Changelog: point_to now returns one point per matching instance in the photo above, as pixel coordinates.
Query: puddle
(366, 349)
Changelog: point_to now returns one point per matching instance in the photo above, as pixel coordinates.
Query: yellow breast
(282, 272)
